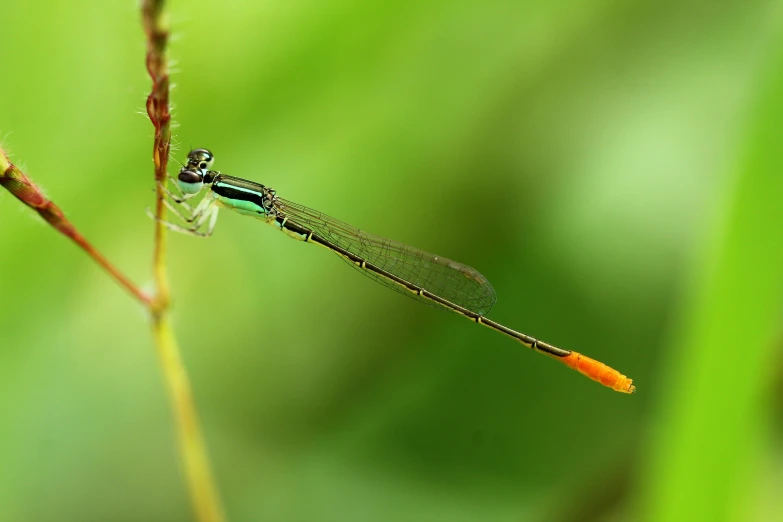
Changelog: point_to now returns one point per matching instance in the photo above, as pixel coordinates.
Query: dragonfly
(432, 279)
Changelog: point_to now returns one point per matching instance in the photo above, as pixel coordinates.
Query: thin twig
(203, 492)
(18, 184)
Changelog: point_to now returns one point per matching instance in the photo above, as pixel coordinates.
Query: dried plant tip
(15, 181)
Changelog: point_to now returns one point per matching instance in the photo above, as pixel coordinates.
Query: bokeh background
(613, 168)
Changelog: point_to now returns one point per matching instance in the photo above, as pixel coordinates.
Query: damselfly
(431, 279)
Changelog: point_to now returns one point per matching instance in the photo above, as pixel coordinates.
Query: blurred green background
(613, 168)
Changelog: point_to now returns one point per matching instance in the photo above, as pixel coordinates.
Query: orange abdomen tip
(599, 372)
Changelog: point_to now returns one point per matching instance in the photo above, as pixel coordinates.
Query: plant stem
(193, 453)
(156, 29)
(18, 184)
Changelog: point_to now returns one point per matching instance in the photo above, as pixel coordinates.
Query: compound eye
(188, 176)
(189, 182)
(201, 159)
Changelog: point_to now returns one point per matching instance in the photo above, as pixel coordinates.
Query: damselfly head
(200, 160)
(190, 181)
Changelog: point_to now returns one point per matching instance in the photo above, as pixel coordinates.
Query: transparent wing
(443, 277)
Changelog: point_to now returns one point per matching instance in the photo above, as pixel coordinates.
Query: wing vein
(452, 281)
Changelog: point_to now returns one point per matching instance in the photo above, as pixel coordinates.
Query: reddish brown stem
(18, 184)
(158, 111)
